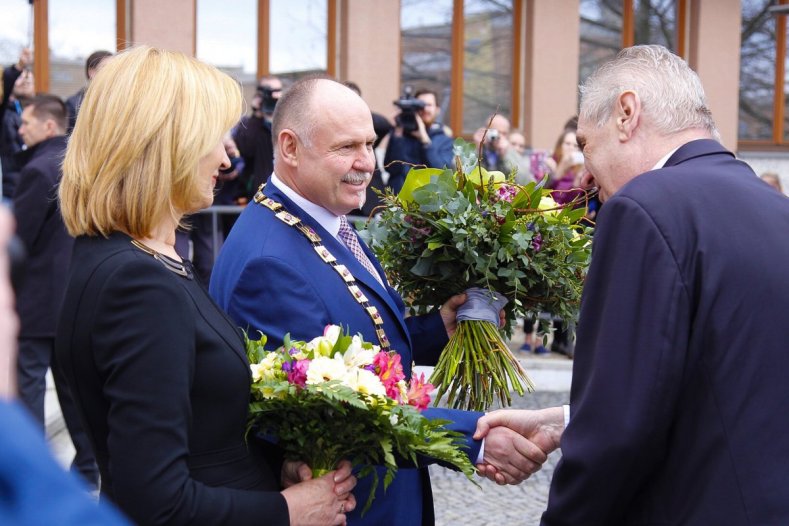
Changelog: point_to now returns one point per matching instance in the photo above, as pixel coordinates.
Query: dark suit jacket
(48, 244)
(10, 145)
(35, 489)
(438, 154)
(253, 138)
(680, 387)
(161, 379)
(72, 106)
(269, 278)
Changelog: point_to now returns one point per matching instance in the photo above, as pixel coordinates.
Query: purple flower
(506, 192)
(287, 366)
(416, 233)
(536, 242)
(298, 375)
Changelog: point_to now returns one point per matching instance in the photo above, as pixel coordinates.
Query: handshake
(518, 442)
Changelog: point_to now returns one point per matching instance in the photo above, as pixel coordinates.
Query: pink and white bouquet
(338, 397)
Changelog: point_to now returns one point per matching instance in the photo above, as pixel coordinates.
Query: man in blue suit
(679, 382)
(290, 265)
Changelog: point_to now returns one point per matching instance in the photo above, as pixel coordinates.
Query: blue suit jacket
(33, 488)
(269, 278)
(679, 395)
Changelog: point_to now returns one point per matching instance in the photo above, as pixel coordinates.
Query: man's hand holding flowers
(449, 313)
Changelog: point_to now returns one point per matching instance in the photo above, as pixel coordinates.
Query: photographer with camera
(417, 139)
(253, 138)
(494, 143)
(18, 86)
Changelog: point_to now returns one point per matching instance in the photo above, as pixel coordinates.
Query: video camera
(267, 99)
(408, 105)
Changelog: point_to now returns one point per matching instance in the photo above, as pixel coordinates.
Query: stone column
(169, 25)
(369, 50)
(551, 69)
(714, 53)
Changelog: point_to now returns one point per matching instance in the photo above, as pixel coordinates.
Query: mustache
(355, 177)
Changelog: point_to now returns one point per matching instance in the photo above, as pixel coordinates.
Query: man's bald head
(300, 104)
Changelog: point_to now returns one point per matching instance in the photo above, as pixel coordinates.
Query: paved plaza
(458, 502)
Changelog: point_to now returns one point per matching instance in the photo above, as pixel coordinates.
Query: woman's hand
(294, 472)
(321, 501)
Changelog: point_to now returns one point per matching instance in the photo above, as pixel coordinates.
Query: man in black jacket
(679, 377)
(423, 142)
(253, 138)
(92, 65)
(48, 246)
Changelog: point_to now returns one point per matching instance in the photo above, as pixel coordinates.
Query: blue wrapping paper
(481, 304)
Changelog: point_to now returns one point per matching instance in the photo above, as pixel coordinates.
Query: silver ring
(342, 507)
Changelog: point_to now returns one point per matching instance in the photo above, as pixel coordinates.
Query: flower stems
(477, 366)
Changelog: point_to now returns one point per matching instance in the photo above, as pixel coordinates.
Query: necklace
(169, 263)
(328, 258)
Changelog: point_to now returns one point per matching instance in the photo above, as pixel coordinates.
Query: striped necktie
(348, 237)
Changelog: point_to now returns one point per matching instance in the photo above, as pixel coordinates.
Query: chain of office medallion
(327, 257)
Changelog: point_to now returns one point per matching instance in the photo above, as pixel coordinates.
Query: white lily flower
(357, 356)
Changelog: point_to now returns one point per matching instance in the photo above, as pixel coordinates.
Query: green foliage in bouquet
(447, 231)
(338, 397)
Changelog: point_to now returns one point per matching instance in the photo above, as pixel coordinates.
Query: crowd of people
(672, 414)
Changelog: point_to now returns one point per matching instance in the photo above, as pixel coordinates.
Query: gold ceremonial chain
(327, 257)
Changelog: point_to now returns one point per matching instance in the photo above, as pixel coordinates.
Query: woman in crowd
(566, 165)
(159, 373)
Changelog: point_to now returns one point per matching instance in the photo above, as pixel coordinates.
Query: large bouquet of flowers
(474, 230)
(338, 397)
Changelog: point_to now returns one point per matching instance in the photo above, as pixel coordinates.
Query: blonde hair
(148, 117)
